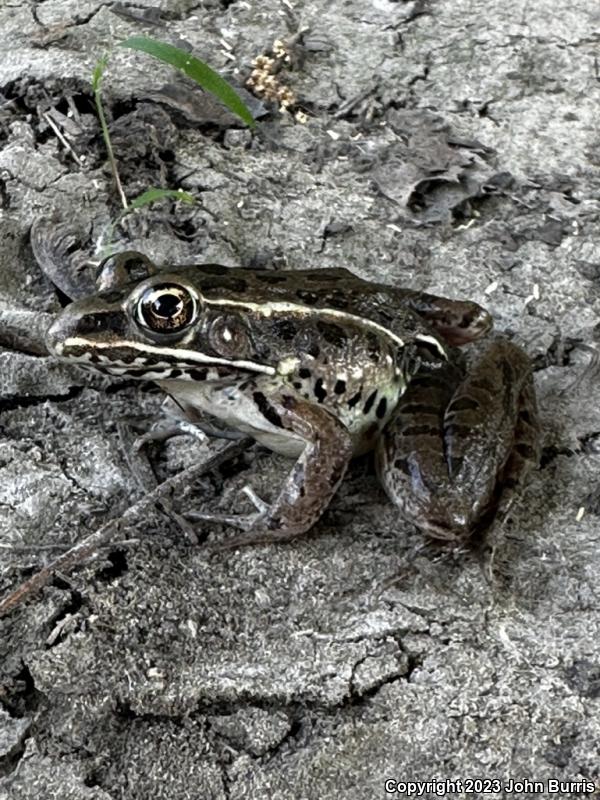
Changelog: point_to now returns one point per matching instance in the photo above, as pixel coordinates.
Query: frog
(321, 366)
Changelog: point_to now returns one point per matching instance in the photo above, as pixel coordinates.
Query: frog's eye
(166, 308)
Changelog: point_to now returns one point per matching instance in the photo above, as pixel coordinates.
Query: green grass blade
(96, 82)
(195, 69)
(154, 194)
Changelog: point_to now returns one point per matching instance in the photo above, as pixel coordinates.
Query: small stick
(87, 547)
(61, 138)
(40, 548)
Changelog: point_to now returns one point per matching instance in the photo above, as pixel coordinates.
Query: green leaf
(195, 69)
(154, 194)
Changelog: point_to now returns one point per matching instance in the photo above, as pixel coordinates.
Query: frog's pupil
(167, 305)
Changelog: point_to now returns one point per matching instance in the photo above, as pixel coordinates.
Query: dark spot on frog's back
(198, 374)
(332, 333)
(285, 329)
(308, 297)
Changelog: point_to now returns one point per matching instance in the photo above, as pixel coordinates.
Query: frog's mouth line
(87, 352)
(158, 372)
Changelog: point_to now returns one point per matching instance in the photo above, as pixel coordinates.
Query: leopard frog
(320, 365)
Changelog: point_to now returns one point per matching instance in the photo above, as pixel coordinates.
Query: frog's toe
(243, 522)
(252, 537)
(261, 533)
(446, 531)
(258, 503)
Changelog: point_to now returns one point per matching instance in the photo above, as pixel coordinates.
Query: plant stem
(109, 149)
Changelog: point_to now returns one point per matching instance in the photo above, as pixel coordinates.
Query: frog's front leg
(326, 451)
(458, 447)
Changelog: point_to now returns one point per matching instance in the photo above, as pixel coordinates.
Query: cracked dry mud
(450, 146)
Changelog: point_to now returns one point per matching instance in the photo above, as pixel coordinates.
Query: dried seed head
(279, 48)
(263, 79)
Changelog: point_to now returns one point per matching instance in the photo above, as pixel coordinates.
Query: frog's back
(336, 289)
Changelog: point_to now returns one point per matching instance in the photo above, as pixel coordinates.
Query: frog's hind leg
(458, 448)
(526, 451)
(314, 478)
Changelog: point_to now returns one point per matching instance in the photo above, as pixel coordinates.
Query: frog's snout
(69, 326)
(81, 326)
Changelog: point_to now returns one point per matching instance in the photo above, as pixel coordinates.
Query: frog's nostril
(54, 337)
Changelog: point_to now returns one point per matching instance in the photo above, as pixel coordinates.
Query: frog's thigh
(316, 474)
(444, 460)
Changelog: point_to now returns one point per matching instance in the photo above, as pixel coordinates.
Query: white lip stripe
(188, 355)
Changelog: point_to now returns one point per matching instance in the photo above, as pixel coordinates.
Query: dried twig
(62, 138)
